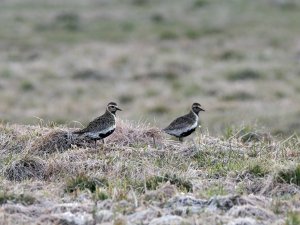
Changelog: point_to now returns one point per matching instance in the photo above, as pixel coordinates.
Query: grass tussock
(127, 134)
(244, 74)
(82, 182)
(54, 141)
(153, 182)
(290, 175)
(138, 166)
(27, 167)
(22, 198)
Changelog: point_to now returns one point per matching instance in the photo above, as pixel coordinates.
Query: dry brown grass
(27, 167)
(130, 178)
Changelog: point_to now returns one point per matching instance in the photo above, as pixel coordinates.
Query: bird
(185, 125)
(102, 126)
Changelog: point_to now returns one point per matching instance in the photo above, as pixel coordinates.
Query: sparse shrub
(140, 2)
(126, 98)
(244, 74)
(25, 168)
(214, 190)
(192, 90)
(258, 169)
(230, 55)
(67, 20)
(82, 182)
(168, 35)
(153, 182)
(287, 4)
(101, 194)
(21, 199)
(211, 30)
(6, 73)
(167, 74)
(280, 94)
(219, 163)
(89, 74)
(157, 18)
(200, 3)
(250, 137)
(290, 175)
(192, 34)
(228, 132)
(159, 109)
(151, 93)
(26, 85)
(293, 218)
(239, 95)
(127, 26)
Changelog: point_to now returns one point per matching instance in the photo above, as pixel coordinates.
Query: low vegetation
(63, 61)
(140, 169)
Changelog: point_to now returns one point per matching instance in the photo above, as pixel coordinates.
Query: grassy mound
(140, 175)
(24, 168)
(54, 141)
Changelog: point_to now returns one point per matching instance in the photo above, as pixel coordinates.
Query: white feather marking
(97, 134)
(178, 132)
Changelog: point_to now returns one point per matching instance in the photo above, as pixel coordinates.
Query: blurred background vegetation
(62, 61)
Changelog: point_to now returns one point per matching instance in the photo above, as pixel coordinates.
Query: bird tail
(79, 132)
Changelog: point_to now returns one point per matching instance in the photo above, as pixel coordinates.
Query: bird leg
(180, 139)
(95, 142)
(103, 141)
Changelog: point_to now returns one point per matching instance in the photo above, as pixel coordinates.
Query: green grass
(290, 175)
(258, 168)
(24, 199)
(215, 190)
(154, 182)
(245, 74)
(82, 182)
(293, 218)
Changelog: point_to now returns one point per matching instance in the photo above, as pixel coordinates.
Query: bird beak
(202, 109)
(119, 109)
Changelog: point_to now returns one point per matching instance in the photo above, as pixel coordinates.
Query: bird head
(113, 107)
(196, 108)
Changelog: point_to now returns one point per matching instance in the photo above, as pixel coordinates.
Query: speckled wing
(100, 123)
(180, 123)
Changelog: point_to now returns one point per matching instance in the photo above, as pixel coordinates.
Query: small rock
(103, 216)
(252, 212)
(243, 221)
(168, 220)
(106, 204)
(225, 202)
(68, 218)
(164, 193)
(143, 217)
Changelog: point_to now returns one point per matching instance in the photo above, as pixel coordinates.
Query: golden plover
(185, 125)
(102, 126)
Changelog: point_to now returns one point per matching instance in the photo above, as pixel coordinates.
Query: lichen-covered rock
(103, 216)
(243, 221)
(144, 216)
(251, 211)
(169, 220)
(68, 218)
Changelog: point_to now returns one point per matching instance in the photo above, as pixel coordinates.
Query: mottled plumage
(102, 126)
(185, 125)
